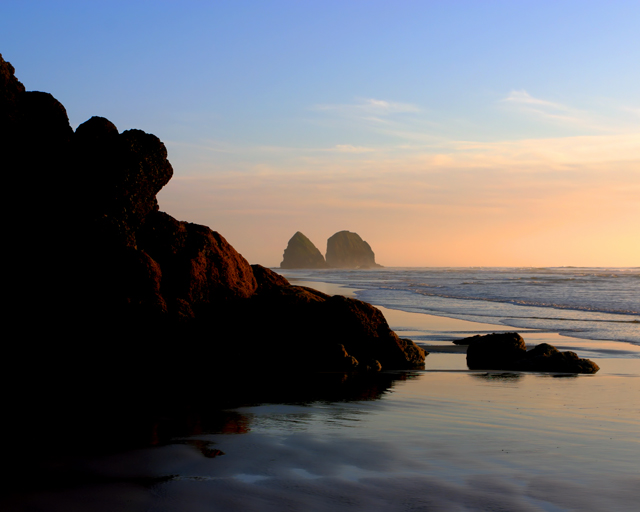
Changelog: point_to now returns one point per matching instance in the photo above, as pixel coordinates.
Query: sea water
(588, 303)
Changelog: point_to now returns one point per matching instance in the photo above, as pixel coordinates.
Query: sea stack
(301, 253)
(347, 250)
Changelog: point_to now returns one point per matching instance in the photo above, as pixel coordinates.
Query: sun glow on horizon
(545, 202)
(444, 133)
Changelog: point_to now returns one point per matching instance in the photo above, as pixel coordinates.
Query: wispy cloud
(543, 108)
(524, 98)
(348, 148)
(515, 201)
(369, 107)
(549, 110)
(603, 115)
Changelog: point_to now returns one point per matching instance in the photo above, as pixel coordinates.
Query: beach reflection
(112, 457)
(498, 378)
(406, 441)
(437, 441)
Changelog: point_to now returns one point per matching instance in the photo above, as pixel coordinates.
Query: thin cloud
(524, 98)
(549, 110)
(389, 106)
(369, 107)
(599, 120)
(536, 192)
(348, 148)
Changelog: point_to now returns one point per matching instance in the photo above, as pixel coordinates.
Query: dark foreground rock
(507, 351)
(321, 331)
(347, 250)
(301, 253)
(118, 309)
(139, 298)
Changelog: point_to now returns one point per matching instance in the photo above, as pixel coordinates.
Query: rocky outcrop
(349, 332)
(507, 351)
(10, 92)
(301, 253)
(547, 358)
(495, 351)
(347, 250)
(198, 264)
(146, 304)
(122, 173)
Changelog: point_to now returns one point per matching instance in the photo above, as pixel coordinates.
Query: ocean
(588, 303)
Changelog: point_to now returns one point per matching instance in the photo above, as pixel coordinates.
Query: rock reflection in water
(85, 432)
(502, 378)
(206, 414)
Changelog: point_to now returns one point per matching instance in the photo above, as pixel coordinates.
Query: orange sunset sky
(463, 133)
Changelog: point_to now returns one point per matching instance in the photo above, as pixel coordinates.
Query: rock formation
(144, 303)
(301, 253)
(547, 358)
(507, 351)
(347, 250)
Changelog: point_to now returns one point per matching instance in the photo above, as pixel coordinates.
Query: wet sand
(435, 440)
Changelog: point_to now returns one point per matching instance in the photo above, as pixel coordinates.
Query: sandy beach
(440, 439)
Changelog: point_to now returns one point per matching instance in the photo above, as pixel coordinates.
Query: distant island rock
(301, 253)
(507, 351)
(347, 250)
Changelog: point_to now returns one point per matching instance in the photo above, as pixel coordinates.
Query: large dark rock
(301, 253)
(495, 351)
(268, 281)
(324, 332)
(347, 250)
(35, 135)
(547, 358)
(198, 264)
(10, 89)
(122, 174)
(119, 305)
(138, 294)
(507, 351)
(365, 333)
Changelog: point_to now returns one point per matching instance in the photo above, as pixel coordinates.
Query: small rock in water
(507, 351)
(497, 351)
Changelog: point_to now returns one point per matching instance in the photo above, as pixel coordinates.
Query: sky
(443, 132)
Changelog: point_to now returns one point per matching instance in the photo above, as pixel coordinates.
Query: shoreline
(436, 333)
(577, 305)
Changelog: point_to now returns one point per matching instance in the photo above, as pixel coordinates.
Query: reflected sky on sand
(438, 441)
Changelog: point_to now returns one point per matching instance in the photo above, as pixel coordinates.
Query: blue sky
(511, 128)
